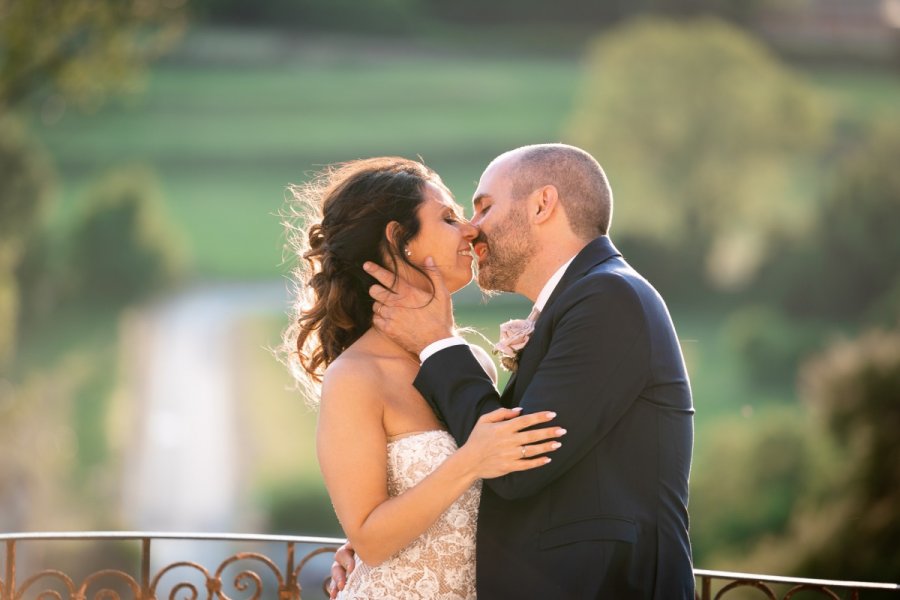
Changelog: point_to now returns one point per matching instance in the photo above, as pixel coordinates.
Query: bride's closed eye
(452, 218)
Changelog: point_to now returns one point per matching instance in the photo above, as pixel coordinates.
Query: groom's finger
(385, 278)
(381, 295)
(437, 279)
(337, 580)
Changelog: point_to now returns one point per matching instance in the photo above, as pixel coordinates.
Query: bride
(404, 494)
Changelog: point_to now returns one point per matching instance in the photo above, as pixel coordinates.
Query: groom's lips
(481, 250)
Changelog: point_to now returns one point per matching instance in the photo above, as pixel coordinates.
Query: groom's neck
(548, 259)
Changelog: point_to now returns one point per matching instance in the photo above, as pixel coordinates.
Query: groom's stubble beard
(510, 247)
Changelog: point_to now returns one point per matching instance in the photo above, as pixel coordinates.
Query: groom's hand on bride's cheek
(411, 316)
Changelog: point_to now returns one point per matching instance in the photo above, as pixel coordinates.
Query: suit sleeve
(595, 367)
(457, 388)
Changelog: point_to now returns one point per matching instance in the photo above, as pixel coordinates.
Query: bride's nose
(469, 231)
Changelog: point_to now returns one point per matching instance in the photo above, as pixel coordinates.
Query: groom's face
(505, 242)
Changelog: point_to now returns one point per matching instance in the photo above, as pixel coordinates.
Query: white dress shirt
(539, 304)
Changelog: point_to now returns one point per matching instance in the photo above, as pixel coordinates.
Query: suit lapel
(509, 391)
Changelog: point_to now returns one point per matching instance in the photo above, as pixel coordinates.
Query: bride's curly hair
(334, 224)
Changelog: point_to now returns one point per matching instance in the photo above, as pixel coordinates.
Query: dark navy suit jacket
(607, 518)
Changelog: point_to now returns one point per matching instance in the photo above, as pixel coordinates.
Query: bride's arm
(351, 446)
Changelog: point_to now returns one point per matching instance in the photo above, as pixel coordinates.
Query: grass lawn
(226, 141)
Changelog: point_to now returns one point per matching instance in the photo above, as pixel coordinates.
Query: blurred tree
(699, 128)
(125, 246)
(747, 487)
(52, 54)
(26, 180)
(770, 344)
(516, 17)
(80, 50)
(333, 15)
(295, 506)
(855, 385)
(585, 12)
(847, 267)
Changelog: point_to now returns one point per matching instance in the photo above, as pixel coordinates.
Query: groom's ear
(546, 202)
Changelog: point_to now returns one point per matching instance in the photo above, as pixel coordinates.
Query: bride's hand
(498, 445)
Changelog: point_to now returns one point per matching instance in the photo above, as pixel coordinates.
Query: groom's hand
(410, 316)
(343, 565)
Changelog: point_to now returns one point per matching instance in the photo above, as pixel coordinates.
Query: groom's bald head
(582, 186)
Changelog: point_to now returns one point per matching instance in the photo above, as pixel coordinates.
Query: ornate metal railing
(774, 587)
(273, 572)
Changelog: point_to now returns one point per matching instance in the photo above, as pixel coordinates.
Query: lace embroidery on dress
(440, 563)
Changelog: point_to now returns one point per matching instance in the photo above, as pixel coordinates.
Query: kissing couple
(573, 481)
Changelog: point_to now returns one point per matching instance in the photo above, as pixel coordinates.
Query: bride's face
(445, 236)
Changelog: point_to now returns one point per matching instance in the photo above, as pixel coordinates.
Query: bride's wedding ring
(522, 448)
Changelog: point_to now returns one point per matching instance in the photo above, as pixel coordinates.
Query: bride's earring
(408, 252)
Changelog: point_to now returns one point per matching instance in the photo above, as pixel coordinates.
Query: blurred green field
(227, 138)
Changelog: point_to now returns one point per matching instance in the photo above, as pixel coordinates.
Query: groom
(607, 518)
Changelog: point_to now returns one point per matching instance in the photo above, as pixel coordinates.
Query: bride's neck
(385, 345)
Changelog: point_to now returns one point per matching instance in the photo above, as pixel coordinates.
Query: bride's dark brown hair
(335, 223)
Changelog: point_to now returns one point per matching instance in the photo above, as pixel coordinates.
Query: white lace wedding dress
(440, 563)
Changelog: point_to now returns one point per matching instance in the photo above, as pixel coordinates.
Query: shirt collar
(551, 284)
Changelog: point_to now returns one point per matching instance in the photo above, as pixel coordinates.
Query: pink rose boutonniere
(514, 335)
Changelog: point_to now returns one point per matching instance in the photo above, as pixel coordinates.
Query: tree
(26, 180)
(80, 50)
(698, 126)
(385, 16)
(749, 486)
(583, 14)
(844, 266)
(855, 386)
(77, 51)
(856, 236)
(125, 246)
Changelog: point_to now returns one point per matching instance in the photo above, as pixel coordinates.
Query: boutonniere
(514, 335)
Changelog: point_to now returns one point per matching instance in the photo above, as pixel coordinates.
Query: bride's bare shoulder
(353, 377)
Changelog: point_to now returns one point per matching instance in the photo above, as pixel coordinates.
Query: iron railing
(276, 571)
(713, 585)
(272, 572)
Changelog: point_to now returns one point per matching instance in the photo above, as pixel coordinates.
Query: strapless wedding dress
(440, 563)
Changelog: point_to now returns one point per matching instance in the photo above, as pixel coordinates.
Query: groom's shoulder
(613, 281)
(612, 277)
(600, 288)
